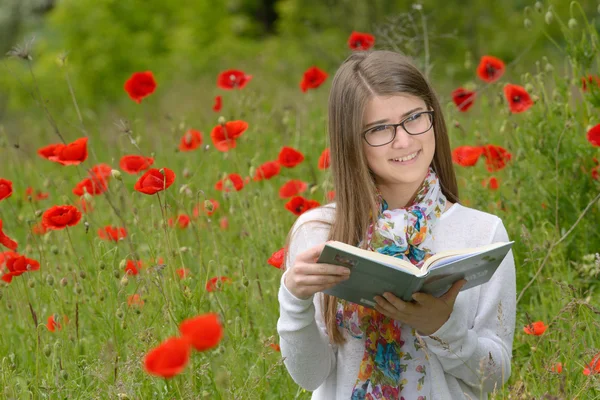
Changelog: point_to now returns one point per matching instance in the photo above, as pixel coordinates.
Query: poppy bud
(123, 325)
(124, 280)
(54, 250)
(186, 172)
(209, 206)
(549, 17)
(245, 281)
(184, 249)
(64, 374)
(31, 283)
(47, 350)
(116, 174)
(206, 147)
(119, 313)
(82, 274)
(39, 212)
(222, 120)
(456, 124)
(122, 264)
(549, 67)
(63, 282)
(527, 23)
(573, 24)
(49, 280)
(116, 274)
(122, 396)
(77, 288)
(314, 188)
(102, 266)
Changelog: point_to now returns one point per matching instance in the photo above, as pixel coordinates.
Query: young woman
(396, 193)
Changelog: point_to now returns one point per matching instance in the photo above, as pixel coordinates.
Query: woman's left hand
(427, 314)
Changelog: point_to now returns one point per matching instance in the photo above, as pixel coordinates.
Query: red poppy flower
(276, 258)
(93, 186)
(112, 233)
(133, 164)
(234, 181)
(466, 156)
(290, 157)
(59, 217)
(5, 188)
(292, 188)
(589, 79)
(48, 151)
(183, 272)
(490, 69)
(182, 221)
(140, 85)
(17, 264)
(536, 328)
(518, 98)
(298, 205)
(267, 171)
(85, 206)
(558, 368)
(133, 267)
(463, 99)
(216, 283)
(491, 182)
(324, 159)
(224, 223)
(169, 358)
(331, 195)
(39, 229)
(224, 136)
(233, 79)
(203, 332)
(7, 241)
(593, 136)
(209, 208)
(218, 104)
(275, 347)
(53, 324)
(37, 195)
(593, 367)
(73, 153)
(154, 181)
(190, 140)
(596, 173)
(361, 41)
(312, 79)
(101, 171)
(496, 157)
(135, 300)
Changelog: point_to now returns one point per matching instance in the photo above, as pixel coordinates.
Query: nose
(402, 138)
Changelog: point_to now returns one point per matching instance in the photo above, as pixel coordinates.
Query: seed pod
(47, 350)
(573, 24)
(116, 174)
(527, 23)
(119, 313)
(221, 120)
(124, 281)
(549, 17)
(64, 374)
(50, 280)
(538, 6)
(82, 274)
(63, 282)
(54, 250)
(78, 289)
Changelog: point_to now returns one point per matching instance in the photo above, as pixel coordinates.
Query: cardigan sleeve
(308, 355)
(480, 355)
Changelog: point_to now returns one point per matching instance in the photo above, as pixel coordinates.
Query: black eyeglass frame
(430, 112)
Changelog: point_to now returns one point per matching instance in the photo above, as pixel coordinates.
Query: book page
(390, 261)
(445, 257)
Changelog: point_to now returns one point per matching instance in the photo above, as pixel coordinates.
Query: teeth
(407, 158)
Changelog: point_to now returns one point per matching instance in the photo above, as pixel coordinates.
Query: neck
(399, 196)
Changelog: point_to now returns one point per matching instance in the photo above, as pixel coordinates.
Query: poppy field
(141, 250)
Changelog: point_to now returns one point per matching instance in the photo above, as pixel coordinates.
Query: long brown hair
(361, 76)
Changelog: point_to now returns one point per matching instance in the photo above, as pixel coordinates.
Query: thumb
(450, 296)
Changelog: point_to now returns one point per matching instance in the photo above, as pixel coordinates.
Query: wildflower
(591, 79)
(112, 233)
(7, 241)
(215, 283)
(224, 136)
(593, 367)
(183, 221)
(224, 223)
(134, 164)
(133, 267)
(233, 79)
(466, 156)
(190, 140)
(463, 99)
(275, 347)
(140, 85)
(169, 358)
(276, 258)
(135, 300)
(52, 324)
(289, 157)
(218, 104)
(331, 195)
(267, 170)
(360, 41)
(312, 79)
(491, 182)
(6, 189)
(48, 151)
(593, 136)
(92, 186)
(536, 328)
(324, 159)
(292, 188)
(208, 206)
(16, 264)
(496, 157)
(183, 272)
(203, 332)
(155, 180)
(231, 179)
(518, 99)
(490, 69)
(557, 368)
(73, 153)
(59, 217)
(298, 205)
(36, 195)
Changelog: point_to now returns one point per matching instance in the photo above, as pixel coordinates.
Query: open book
(374, 273)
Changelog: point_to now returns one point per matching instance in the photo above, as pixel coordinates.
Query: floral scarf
(390, 346)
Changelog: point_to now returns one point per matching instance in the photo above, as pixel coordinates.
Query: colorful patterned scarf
(404, 233)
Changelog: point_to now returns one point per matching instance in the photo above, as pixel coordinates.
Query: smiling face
(398, 181)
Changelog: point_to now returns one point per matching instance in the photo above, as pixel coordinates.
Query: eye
(378, 129)
(413, 117)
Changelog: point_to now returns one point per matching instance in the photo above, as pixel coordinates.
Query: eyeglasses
(415, 124)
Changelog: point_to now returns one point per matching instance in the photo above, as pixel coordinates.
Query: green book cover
(375, 273)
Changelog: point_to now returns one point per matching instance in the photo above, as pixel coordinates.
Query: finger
(395, 304)
(326, 269)
(311, 255)
(450, 296)
(319, 280)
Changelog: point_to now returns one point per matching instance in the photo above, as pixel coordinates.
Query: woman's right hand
(306, 277)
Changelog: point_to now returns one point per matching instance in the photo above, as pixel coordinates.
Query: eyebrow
(381, 121)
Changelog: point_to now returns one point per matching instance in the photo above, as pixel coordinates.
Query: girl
(396, 193)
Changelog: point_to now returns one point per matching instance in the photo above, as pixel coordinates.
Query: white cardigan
(469, 355)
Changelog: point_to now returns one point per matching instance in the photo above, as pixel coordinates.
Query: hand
(306, 277)
(427, 314)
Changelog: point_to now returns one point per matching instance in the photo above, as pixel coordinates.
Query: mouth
(409, 159)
